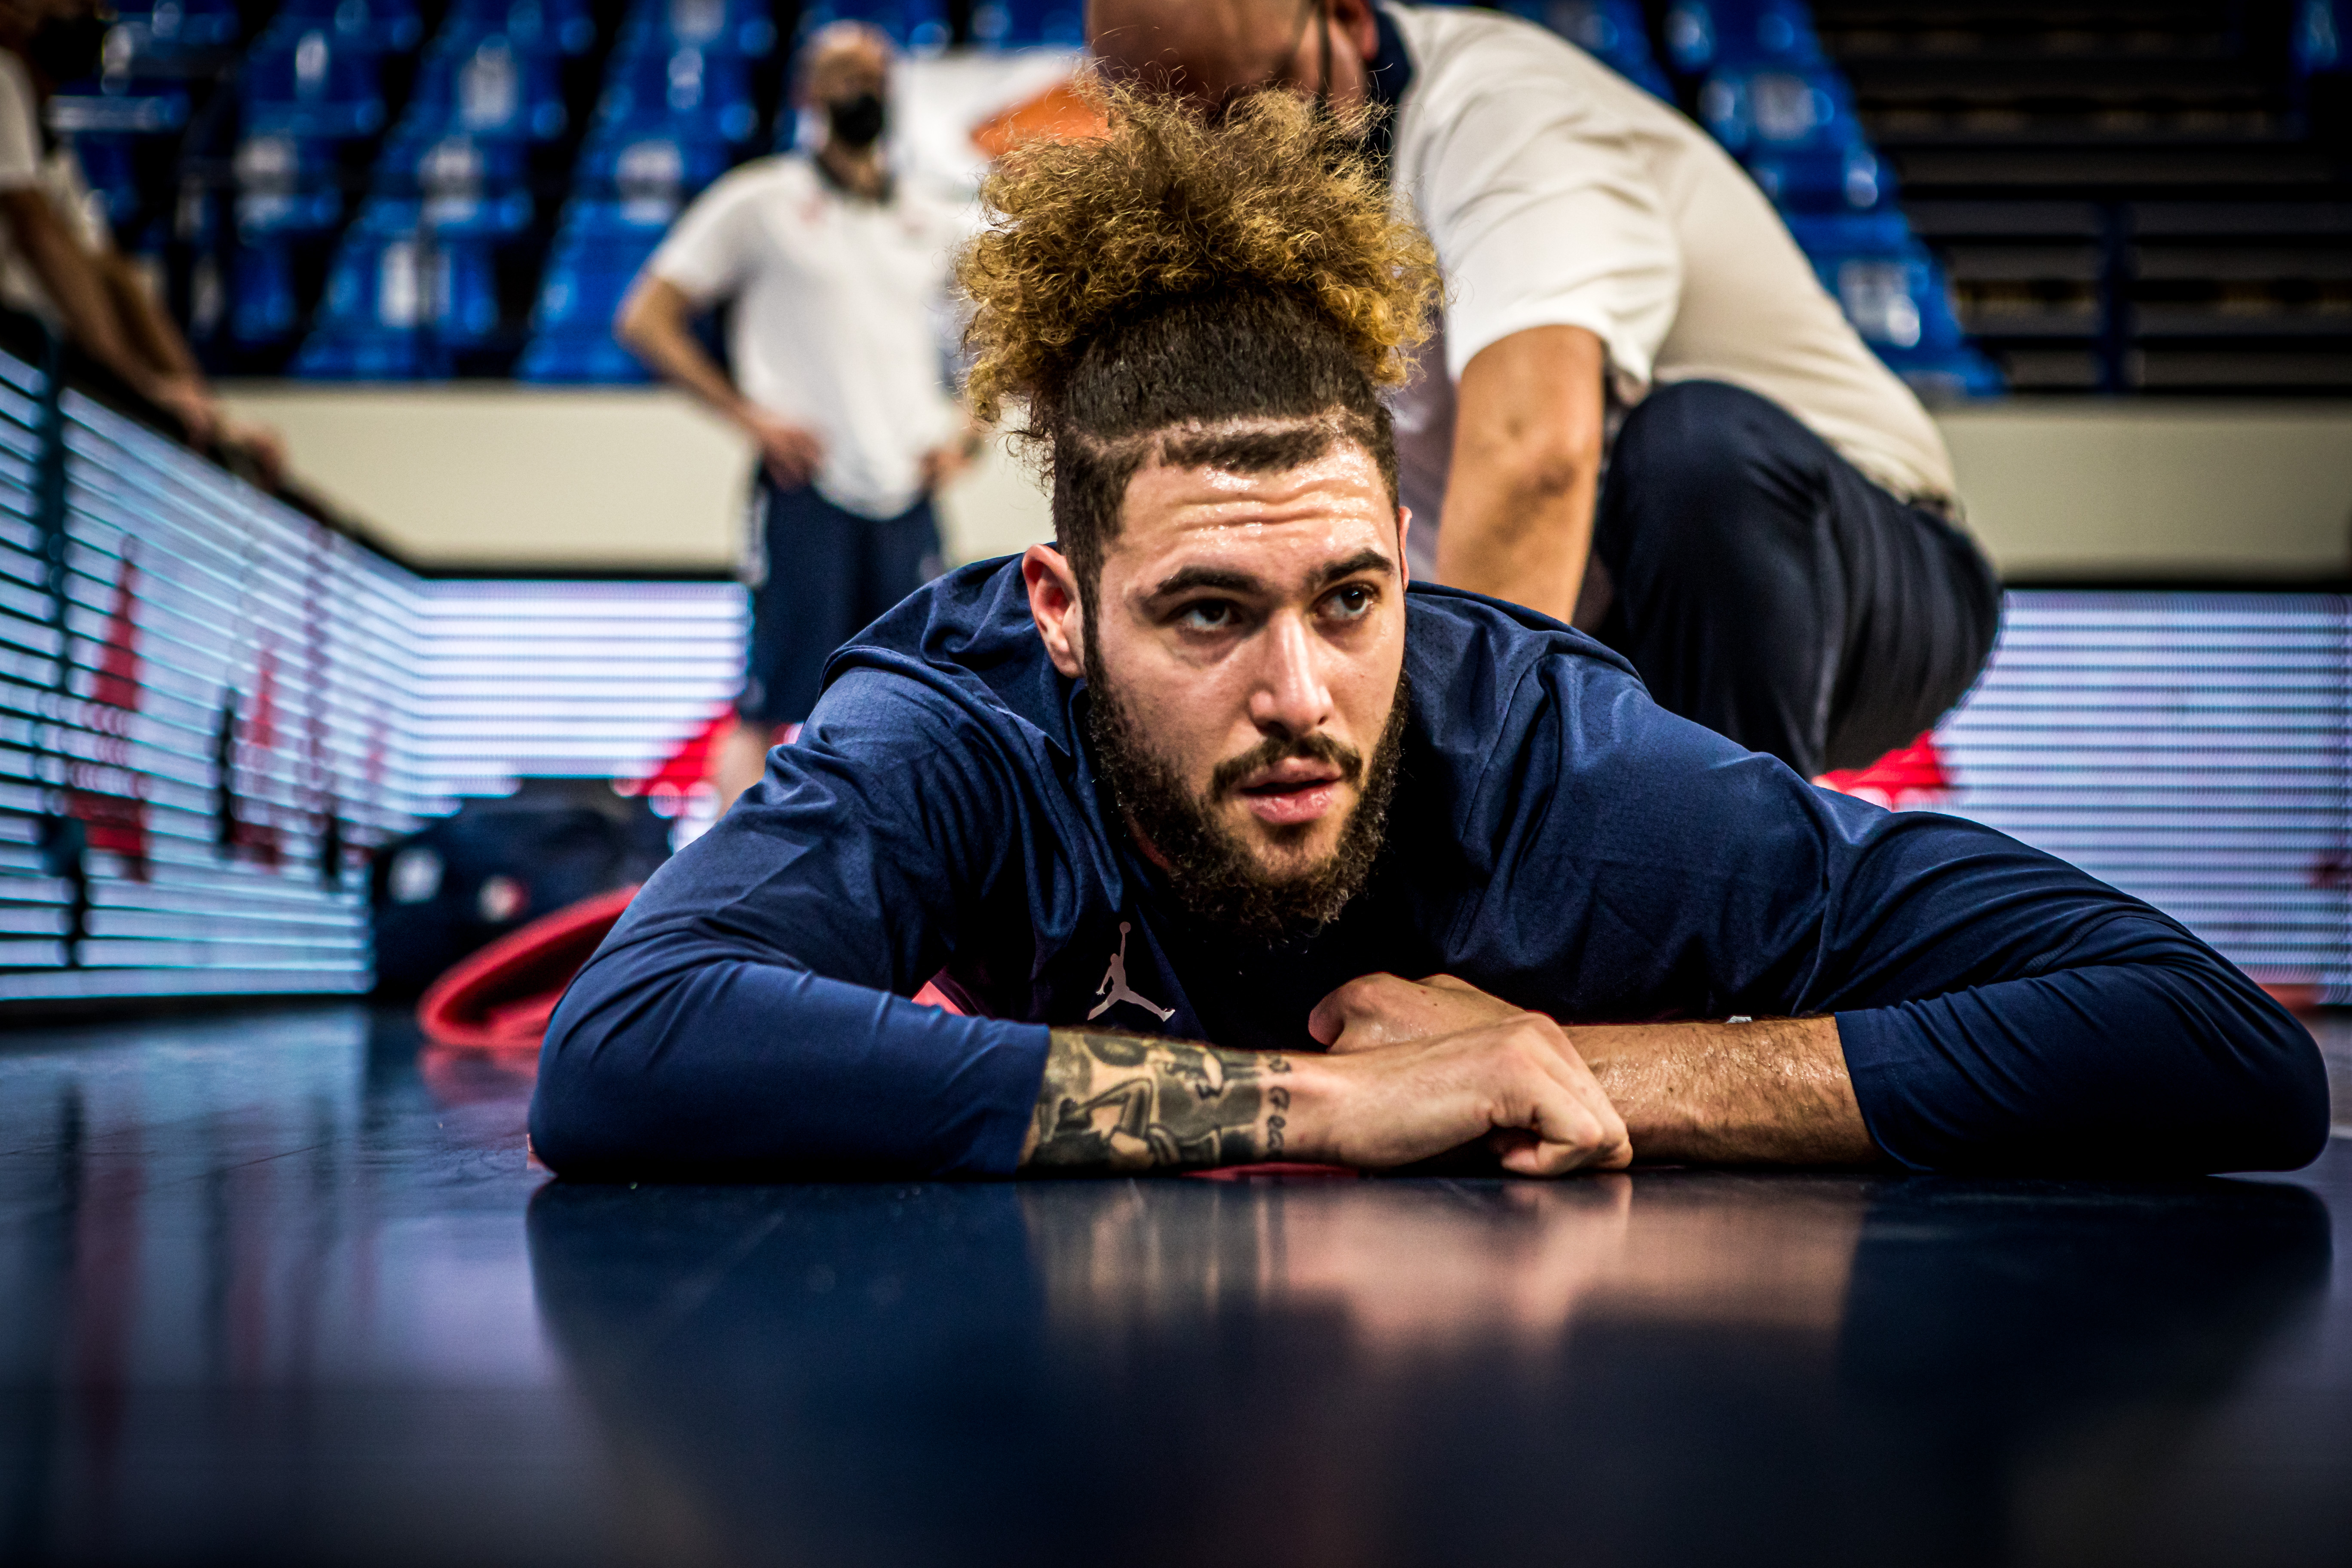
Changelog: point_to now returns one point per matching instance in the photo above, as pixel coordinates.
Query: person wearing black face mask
(856, 122)
(836, 271)
(57, 260)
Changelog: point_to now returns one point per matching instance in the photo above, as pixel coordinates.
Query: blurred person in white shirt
(1642, 410)
(58, 260)
(838, 274)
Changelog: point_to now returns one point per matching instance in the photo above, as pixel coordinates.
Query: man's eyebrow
(1191, 578)
(1225, 580)
(1361, 561)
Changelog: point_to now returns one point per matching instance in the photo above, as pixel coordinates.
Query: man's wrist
(1117, 1101)
(1302, 1102)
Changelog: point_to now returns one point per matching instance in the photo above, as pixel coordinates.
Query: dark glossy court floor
(282, 1289)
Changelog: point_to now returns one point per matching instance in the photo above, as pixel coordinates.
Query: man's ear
(1054, 605)
(1405, 529)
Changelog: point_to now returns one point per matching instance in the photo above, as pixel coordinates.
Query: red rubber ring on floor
(501, 998)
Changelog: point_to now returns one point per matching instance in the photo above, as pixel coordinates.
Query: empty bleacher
(2109, 197)
(2129, 196)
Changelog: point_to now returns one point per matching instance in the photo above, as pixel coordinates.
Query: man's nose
(1291, 696)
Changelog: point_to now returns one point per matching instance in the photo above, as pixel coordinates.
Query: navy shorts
(819, 575)
(1767, 589)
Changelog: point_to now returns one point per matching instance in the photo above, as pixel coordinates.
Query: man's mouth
(1292, 792)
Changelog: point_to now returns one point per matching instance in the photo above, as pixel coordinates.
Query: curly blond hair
(1179, 272)
(1165, 204)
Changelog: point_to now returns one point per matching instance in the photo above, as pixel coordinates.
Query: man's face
(1244, 653)
(1218, 50)
(846, 67)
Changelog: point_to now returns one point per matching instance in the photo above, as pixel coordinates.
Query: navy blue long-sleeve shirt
(1555, 839)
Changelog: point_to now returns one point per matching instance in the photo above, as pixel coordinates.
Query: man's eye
(1206, 615)
(1349, 603)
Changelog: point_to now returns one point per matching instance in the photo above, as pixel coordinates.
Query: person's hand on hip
(792, 453)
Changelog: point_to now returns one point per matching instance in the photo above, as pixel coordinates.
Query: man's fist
(1418, 1069)
(1375, 1010)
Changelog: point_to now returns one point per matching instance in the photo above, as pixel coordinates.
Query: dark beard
(1214, 876)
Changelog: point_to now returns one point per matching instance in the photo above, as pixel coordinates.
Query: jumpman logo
(1114, 988)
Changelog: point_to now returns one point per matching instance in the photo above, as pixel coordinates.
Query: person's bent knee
(1694, 455)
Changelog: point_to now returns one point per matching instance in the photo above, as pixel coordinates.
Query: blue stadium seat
(685, 89)
(301, 81)
(373, 323)
(285, 187)
(654, 167)
(388, 26)
(486, 84)
(287, 198)
(1778, 109)
(174, 30)
(537, 26)
(400, 295)
(1825, 179)
(135, 92)
(1701, 34)
(1883, 229)
(1610, 31)
(2320, 38)
(1897, 300)
(596, 254)
(471, 186)
(262, 308)
(744, 27)
(1029, 24)
(119, 107)
(465, 311)
(919, 25)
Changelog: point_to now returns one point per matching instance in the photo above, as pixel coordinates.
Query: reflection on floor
(282, 1287)
(2333, 1030)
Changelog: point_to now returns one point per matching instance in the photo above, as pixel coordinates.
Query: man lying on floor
(1170, 808)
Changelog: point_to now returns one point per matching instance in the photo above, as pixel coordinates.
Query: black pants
(1767, 590)
(820, 576)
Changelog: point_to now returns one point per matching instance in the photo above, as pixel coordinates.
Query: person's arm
(1769, 1091)
(1114, 1102)
(1526, 469)
(1763, 1091)
(149, 331)
(1562, 275)
(656, 322)
(1993, 1008)
(74, 282)
(751, 1012)
(157, 343)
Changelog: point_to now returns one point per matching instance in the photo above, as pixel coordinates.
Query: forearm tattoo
(1132, 1102)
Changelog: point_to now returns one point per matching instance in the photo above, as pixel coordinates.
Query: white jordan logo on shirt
(1114, 989)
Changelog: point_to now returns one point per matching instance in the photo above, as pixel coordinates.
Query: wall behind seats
(492, 475)
(482, 474)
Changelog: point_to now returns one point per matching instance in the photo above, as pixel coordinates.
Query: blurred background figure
(1772, 546)
(837, 271)
(58, 259)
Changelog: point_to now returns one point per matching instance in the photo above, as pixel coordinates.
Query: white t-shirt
(840, 304)
(23, 165)
(1558, 194)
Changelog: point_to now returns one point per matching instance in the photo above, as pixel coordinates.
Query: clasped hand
(1417, 1067)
